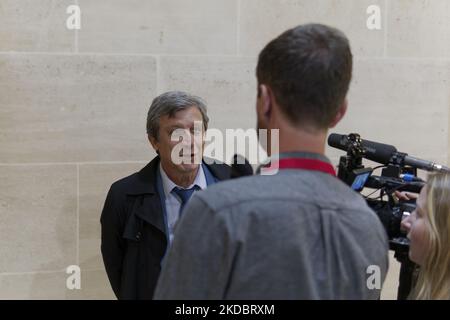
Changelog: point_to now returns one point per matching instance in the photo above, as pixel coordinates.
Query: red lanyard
(305, 164)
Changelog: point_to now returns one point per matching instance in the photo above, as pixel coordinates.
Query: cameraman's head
(428, 229)
(303, 77)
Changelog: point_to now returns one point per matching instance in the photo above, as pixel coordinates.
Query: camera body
(395, 176)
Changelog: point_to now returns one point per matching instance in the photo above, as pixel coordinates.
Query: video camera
(399, 173)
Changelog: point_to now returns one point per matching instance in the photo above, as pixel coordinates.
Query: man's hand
(406, 196)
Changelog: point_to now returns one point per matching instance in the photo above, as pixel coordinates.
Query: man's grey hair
(169, 103)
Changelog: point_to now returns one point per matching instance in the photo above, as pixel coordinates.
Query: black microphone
(378, 152)
(240, 167)
(383, 153)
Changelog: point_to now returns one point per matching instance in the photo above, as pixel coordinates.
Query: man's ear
(153, 142)
(340, 113)
(264, 101)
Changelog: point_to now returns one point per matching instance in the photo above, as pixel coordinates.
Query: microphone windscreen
(240, 167)
(375, 151)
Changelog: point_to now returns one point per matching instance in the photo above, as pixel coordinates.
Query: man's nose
(196, 138)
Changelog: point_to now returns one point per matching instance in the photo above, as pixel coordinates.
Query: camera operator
(428, 229)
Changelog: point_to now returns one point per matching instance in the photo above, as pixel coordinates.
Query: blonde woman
(429, 232)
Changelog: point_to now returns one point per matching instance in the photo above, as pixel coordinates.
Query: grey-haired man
(141, 210)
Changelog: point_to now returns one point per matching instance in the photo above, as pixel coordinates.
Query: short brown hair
(309, 69)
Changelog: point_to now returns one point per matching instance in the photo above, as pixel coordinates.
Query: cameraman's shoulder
(360, 214)
(345, 195)
(354, 204)
(230, 192)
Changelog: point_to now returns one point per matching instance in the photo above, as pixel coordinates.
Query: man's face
(169, 145)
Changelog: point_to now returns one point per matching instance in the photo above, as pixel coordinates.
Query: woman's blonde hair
(434, 276)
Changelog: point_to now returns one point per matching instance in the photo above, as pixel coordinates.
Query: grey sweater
(294, 235)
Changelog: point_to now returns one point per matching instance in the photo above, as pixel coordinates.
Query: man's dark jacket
(134, 235)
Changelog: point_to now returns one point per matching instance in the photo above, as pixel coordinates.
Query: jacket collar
(145, 179)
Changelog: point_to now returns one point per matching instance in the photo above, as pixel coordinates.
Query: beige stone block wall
(73, 105)
(263, 20)
(30, 26)
(159, 26)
